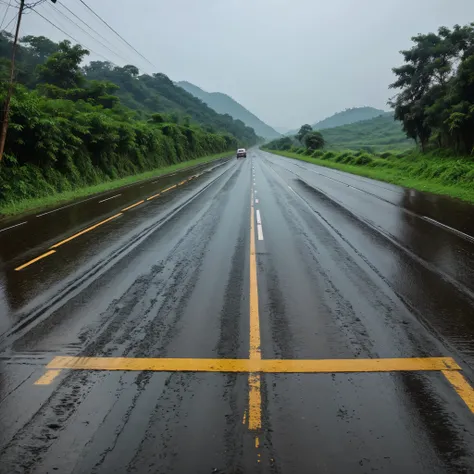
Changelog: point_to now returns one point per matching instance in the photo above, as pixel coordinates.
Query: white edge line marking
(12, 226)
(64, 207)
(108, 199)
(460, 233)
(259, 219)
(256, 201)
(259, 232)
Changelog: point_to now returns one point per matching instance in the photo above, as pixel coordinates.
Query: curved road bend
(268, 316)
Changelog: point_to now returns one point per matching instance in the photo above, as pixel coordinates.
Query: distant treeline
(73, 126)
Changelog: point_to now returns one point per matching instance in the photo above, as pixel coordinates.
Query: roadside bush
(455, 173)
(328, 155)
(363, 160)
(349, 159)
(317, 153)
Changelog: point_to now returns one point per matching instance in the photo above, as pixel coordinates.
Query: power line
(86, 24)
(69, 36)
(10, 22)
(6, 11)
(86, 32)
(118, 34)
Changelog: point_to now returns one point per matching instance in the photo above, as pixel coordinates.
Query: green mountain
(378, 133)
(223, 104)
(348, 116)
(158, 94)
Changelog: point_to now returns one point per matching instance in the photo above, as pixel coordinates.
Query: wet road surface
(267, 315)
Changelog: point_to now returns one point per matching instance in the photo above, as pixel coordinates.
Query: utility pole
(6, 108)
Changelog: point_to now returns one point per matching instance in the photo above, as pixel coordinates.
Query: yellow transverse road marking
(27, 264)
(322, 366)
(48, 377)
(255, 354)
(85, 230)
(462, 387)
(133, 205)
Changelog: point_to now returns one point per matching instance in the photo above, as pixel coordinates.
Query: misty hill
(348, 116)
(381, 132)
(157, 93)
(144, 94)
(223, 104)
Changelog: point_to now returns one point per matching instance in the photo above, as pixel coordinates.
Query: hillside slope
(377, 133)
(223, 104)
(348, 116)
(157, 93)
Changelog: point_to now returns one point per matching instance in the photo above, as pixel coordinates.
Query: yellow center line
(167, 189)
(252, 366)
(27, 264)
(133, 205)
(85, 231)
(48, 377)
(183, 182)
(462, 387)
(153, 197)
(255, 395)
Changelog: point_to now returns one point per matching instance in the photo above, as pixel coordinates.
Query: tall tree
(304, 130)
(62, 69)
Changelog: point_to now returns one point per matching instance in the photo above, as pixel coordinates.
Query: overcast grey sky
(288, 61)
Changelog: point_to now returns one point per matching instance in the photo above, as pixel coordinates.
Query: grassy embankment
(24, 205)
(436, 173)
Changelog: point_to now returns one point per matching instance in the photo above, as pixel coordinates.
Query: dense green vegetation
(435, 104)
(380, 133)
(376, 134)
(434, 172)
(73, 126)
(224, 104)
(27, 204)
(435, 101)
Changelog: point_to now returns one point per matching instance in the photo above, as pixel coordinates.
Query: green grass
(26, 205)
(434, 173)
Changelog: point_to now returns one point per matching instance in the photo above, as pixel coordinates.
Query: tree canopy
(303, 131)
(70, 125)
(435, 102)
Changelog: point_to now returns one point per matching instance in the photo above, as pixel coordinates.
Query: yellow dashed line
(133, 205)
(85, 230)
(27, 264)
(153, 197)
(167, 189)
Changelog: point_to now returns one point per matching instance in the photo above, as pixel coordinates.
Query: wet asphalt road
(345, 269)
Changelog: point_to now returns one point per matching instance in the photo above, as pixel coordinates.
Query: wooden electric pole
(6, 107)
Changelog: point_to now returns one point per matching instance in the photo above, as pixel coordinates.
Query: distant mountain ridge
(223, 104)
(345, 117)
